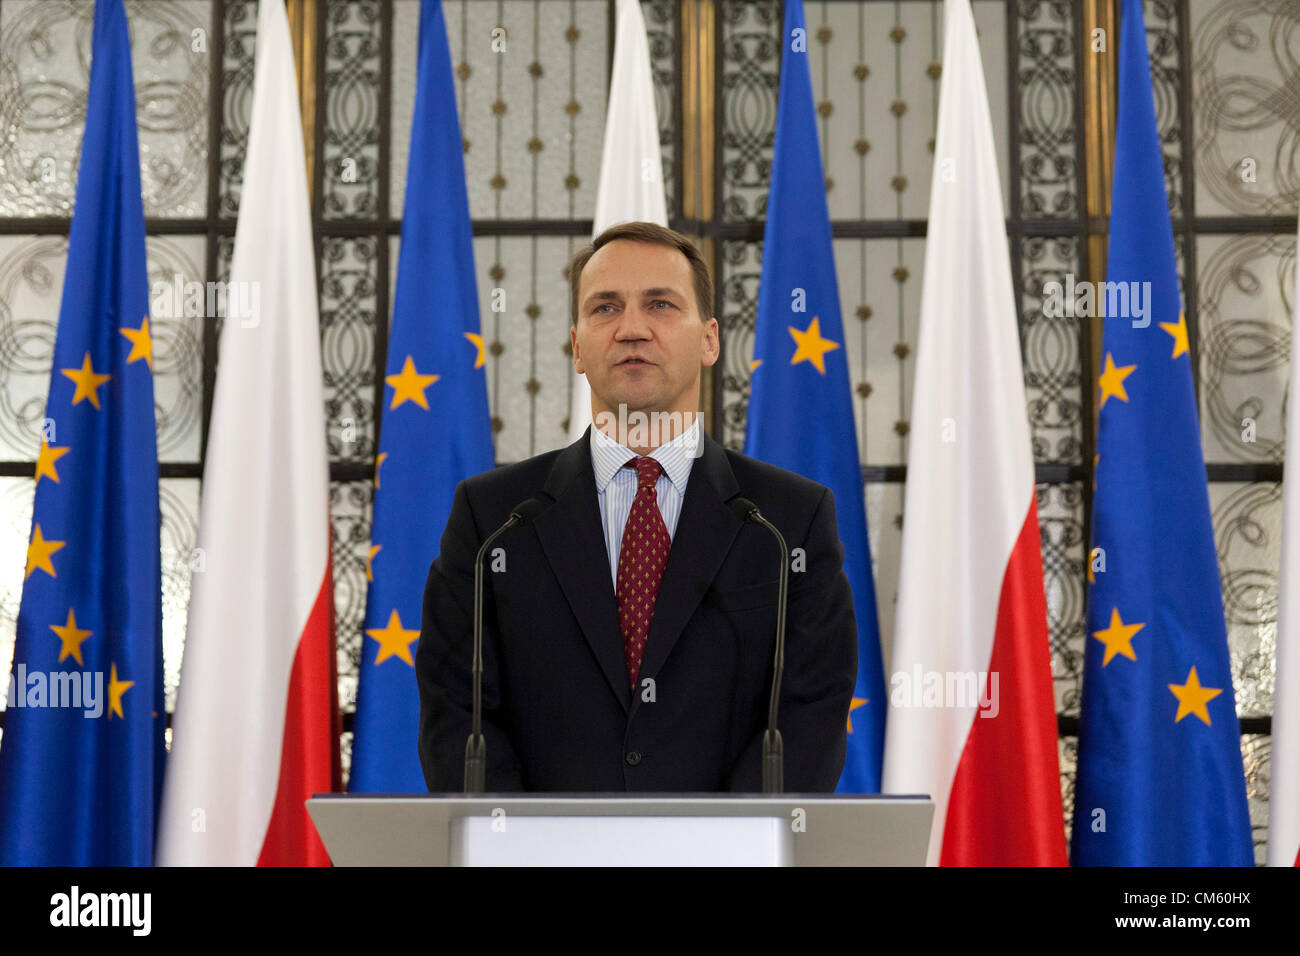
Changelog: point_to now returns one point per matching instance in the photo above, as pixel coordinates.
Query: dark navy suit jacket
(558, 713)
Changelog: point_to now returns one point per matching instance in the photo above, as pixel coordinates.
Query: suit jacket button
(633, 757)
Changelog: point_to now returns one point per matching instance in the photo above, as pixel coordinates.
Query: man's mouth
(634, 360)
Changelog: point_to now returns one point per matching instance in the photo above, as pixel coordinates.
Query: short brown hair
(660, 235)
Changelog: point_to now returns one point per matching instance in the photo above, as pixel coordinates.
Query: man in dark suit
(629, 628)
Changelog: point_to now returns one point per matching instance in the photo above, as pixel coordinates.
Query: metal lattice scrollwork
(29, 280)
(177, 346)
(1257, 761)
(347, 325)
(43, 107)
(351, 133)
(1046, 73)
(1246, 76)
(1060, 529)
(31, 275)
(750, 82)
(1166, 86)
(45, 73)
(1247, 523)
(737, 310)
(1245, 345)
(240, 34)
(660, 17)
(1068, 755)
(1180, 263)
(225, 254)
(350, 511)
(171, 106)
(1053, 375)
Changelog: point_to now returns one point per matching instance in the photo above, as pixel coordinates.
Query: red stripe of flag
(1005, 804)
(309, 755)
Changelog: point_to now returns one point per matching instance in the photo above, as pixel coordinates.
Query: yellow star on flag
(45, 462)
(1179, 331)
(38, 554)
(87, 381)
(116, 688)
(811, 346)
(379, 461)
(141, 343)
(1118, 637)
(854, 704)
(753, 364)
(374, 550)
(410, 385)
(72, 637)
(477, 340)
(394, 640)
(1111, 380)
(1192, 697)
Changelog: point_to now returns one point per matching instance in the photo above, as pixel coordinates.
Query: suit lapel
(574, 541)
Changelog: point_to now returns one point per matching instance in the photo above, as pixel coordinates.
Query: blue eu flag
(800, 409)
(81, 760)
(1160, 778)
(436, 429)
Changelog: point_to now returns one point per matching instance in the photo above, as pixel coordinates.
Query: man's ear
(710, 349)
(573, 345)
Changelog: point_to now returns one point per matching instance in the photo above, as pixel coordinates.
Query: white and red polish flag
(1284, 801)
(972, 719)
(255, 728)
(631, 185)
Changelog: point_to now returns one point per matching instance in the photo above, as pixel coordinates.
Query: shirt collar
(676, 456)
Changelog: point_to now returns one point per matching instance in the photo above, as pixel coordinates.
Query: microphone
(476, 745)
(773, 749)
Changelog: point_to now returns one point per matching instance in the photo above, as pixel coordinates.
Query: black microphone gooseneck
(476, 745)
(773, 749)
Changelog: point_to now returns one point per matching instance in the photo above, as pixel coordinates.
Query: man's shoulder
(507, 485)
(774, 476)
(774, 489)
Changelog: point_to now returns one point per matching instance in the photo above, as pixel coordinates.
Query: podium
(624, 830)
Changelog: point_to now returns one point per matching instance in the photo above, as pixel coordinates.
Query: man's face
(639, 338)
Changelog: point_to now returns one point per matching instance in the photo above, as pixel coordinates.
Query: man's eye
(664, 301)
(605, 306)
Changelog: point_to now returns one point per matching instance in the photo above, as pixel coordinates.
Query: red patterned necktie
(641, 561)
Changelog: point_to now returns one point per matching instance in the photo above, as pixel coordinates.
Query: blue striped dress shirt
(616, 485)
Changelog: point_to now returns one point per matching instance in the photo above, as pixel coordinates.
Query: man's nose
(632, 325)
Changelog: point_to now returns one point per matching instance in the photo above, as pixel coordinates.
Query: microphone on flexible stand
(773, 749)
(476, 745)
